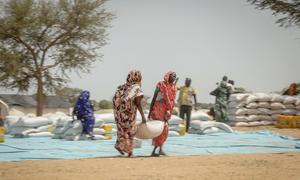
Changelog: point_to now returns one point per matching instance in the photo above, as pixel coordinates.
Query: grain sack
(198, 115)
(263, 97)
(289, 100)
(40, 134)
(276, 98)
(252, 98)
(238, 118)
(211, 130)
(238, 97)
(264, 111)
(242, 124)
(99, 131)
(276, 106)
(255, 123)
(175, 120)
(253, 118)
(289, 112)
(252, 112)
(75, 129)
(252, 105)
(238, 112)
(264, 105)
(173, 134)
(265, 118)
(290, 106)
(46, 128)
(149, 130)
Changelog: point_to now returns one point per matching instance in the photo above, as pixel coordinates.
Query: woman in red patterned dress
(161, 108)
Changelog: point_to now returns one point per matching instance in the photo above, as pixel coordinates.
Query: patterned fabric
(84, 111)
(221, 107)
(163, 106)
(186, 96)
(125, 110)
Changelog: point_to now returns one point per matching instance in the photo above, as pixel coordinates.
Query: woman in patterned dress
(126, 101)
(161, 108)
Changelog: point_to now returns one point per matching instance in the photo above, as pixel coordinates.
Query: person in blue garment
(84, 112)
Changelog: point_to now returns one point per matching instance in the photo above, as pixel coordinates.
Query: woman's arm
(138, 103)
(153, 101)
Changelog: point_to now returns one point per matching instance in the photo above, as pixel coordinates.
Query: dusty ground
(210, 167)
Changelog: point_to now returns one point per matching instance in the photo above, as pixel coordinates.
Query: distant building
(14, 104)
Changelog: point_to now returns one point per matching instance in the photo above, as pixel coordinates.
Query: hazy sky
(200, 39)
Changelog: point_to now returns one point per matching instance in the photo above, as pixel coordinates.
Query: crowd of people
(127, 101)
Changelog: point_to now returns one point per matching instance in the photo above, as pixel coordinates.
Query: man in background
(186, 97)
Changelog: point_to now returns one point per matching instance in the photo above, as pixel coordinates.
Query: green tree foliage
(41, 41)
(289, 10)
(69, 94)
(105, 104)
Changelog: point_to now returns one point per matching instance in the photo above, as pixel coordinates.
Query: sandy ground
(284, 166)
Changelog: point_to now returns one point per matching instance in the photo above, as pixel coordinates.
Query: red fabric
(162, 109)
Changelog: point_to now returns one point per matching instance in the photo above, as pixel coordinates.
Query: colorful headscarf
(133, 77)
(168, 75)
(168, 90)
(83, 105)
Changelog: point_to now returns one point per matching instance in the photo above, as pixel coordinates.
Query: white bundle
(252, 105)
(278, 111)
(254, 118)
(19, 131)
(74, 129)
(238, 118)
(251, 98)
(238, 112)
(264, 111)
(252, 112)
(40, 134)
(238, 97)
(202, 125)
(44, 128)
(211, 130)
(290, 106)
(106, 118)
(276, 106)
(263, 97)
(173, 134)
(199, 115)
(255, 123)
(241, 124)
(289, 112)
(99, 131)
(264, 105)
(276, 98)
(289, 100)
(297, 103)
(175, 120)
(149, 130)
(265, 118)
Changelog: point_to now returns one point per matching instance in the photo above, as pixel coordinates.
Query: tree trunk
(39, 95)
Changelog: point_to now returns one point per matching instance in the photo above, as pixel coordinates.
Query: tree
(41, 41)
(69, 94)
(288, 9)
(105, 104)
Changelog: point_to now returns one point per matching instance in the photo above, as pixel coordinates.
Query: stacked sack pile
(201, 123)
(28, 126)
(259, 109)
